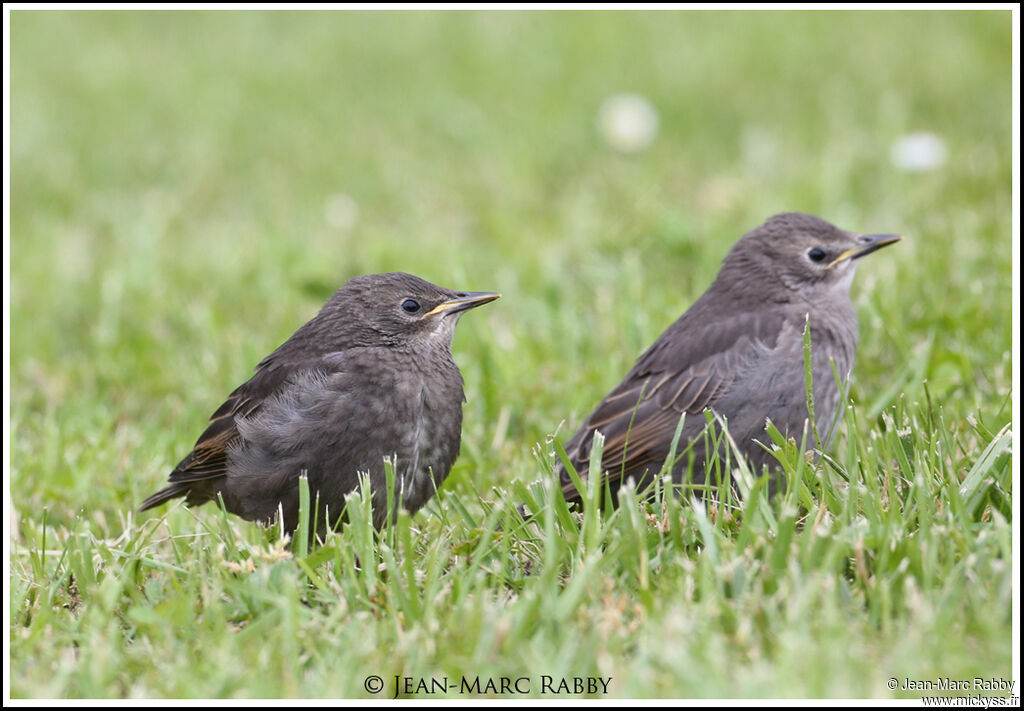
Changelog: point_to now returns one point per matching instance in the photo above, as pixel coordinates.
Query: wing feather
(196, 474)
(686, 371)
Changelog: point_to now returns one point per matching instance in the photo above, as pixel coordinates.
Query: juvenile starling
(370, 376)
(738, 351)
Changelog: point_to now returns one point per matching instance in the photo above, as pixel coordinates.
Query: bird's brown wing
(209, 456)
(207, 462)
(685, 371)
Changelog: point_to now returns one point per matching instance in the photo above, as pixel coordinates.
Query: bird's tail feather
(171, 492)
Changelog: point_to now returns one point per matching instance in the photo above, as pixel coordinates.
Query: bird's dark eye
(410, 306)
(817, 254)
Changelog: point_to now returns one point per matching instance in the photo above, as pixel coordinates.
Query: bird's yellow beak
(463, 302)
(867, 245)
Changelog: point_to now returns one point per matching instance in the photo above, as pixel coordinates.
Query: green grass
(169, 177)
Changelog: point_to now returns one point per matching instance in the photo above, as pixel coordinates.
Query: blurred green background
(187, 188)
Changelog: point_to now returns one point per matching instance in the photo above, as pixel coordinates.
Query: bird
(370, 377)
(736, 355)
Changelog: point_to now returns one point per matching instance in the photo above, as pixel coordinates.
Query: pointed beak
(463, 301)
(866, 245)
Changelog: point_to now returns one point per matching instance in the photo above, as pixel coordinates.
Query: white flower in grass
(628, 122)
(918, 152)
(341, 211)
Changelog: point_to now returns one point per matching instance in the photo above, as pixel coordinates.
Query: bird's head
(802, 252)
(397, 309)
